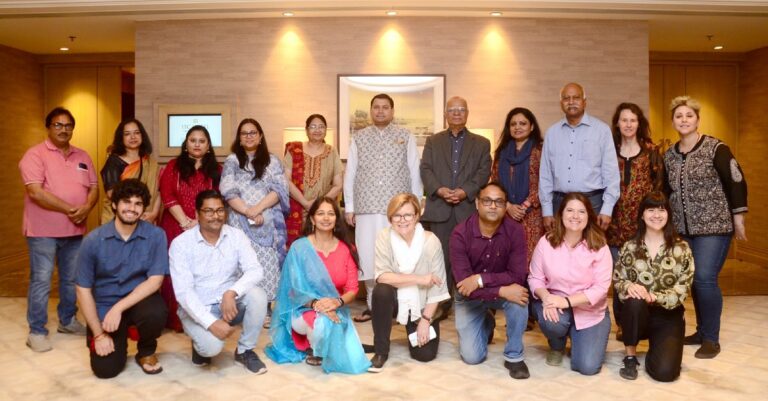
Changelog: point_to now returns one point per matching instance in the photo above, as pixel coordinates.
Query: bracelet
(312, 304)
(102, 334)
(428, 319)
(569, 303)
(341, 302)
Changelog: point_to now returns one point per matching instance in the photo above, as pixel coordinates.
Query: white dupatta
(406, 257)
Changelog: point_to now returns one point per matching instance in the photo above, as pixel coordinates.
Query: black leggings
(664, 330)
(149, 316)
(383, 310)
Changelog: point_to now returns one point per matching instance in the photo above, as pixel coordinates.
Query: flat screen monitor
(179, 124)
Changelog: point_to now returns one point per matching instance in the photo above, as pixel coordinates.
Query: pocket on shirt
(84, 177)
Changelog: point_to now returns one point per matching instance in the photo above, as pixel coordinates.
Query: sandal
(313, 360)
(363, 317)
(150, 360)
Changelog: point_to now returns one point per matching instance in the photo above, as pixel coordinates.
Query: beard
(127, 222)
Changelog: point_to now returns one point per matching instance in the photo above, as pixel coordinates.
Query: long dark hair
(340, 230)
(118, 143)
(186, 164)
(653, 200)
(592, 233)
(506, 137)
(643, 127)
(260, 159)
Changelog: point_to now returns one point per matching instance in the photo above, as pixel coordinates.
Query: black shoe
(693, 339)
(377, 363)
(708, 350)
(251, 361)
(368, 349)
(629, 371)
(198, 359)
(517, 370)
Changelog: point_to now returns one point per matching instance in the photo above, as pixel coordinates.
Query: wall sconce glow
(288, 14)
(392, 38)
(718, 47)
(64, 49)
(391, 13)
(496, 13)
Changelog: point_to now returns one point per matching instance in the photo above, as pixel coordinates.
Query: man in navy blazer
(454, 165)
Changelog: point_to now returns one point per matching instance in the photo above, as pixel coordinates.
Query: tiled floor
(739, 373)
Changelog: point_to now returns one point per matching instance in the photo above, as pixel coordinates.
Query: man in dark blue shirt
(119, 271)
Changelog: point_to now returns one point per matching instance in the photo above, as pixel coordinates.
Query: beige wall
(22, 117)
(279, 71)
(753, 149)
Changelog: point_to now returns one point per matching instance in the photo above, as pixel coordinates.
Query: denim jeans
(43, 252)
(596, 200)
(473, 331)
(251, 310)
(587, 345)
(709, 253)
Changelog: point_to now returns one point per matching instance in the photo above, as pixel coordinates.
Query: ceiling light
(718, 47)
(64, 49)
(288, 14)
(391, 13)
(496, 13)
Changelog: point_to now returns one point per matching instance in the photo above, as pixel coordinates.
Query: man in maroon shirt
(488, 253)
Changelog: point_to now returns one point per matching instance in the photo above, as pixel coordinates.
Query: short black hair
(57, 112)
(492, 184)
(207, 194)
(127, 189)
(384, 96)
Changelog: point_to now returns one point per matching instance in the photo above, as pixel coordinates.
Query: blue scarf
(516, 186)
(304, 278)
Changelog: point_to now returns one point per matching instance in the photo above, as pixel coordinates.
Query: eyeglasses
(210, 212)
(66, 127)
(316, 126)
(488, 201)
(249, 133)
(402, 217)
(460, 110)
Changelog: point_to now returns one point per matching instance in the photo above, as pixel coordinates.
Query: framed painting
(419, 101)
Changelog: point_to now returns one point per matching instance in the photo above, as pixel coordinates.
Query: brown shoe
(708, 350)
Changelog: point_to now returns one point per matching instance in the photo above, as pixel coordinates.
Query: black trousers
(383, 310)
(149, 316)
(664, 330)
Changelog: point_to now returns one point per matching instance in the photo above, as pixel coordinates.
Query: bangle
(569, 303)
(312, 304)
(341, 302)
(428, 319)
(102, 334)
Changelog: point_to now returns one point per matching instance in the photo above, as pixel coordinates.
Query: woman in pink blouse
(570, 276)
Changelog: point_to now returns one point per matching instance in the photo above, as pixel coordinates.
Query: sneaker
(554, 358)
(199, 360)
(74, 327)
(251, 361)
(708, 350)
(517, 370)
(693, 339)
(377, 363)
(39, 343)
(629, 371)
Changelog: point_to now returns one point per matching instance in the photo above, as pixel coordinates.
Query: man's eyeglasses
(207, 212)
(488, 201)
(66, 127)
(402, 217)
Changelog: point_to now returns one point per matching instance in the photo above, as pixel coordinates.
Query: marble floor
(740, 372)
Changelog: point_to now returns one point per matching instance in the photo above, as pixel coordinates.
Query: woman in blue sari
(318, 279)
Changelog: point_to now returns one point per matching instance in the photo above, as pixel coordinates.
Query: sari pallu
(145, 169)
(304, 278)
(296, 214)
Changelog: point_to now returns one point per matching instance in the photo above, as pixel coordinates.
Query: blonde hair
(401, 200)
(685, 101)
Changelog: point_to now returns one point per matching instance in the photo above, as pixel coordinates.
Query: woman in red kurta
(195, 170)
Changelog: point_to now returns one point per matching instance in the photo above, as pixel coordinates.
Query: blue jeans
(587, 345)
(251, 310)
(595, 199)
(42, 253)
(473, 330)
(709, 253)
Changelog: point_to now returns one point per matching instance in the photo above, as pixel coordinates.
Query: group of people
(542, 230)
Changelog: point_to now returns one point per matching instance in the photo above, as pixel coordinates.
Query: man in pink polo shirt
(61, 189)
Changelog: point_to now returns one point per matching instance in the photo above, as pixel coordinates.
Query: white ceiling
(41, 27)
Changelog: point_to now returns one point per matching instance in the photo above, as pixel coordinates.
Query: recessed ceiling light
(288, 14)
(391, 13)
(718, 47)
(496, 14)
(64, 49)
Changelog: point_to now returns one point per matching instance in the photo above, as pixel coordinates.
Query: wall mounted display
(419, 101)
(174, 120)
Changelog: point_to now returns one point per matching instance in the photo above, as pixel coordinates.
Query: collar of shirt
(474, 226)
(50, 146)
(200, 239)
(460, 135)
(586, 119)
(110, 231)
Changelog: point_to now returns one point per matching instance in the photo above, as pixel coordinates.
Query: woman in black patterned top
(652, 278)
(708, 195)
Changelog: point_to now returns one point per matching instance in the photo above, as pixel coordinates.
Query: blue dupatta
(304, 278)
